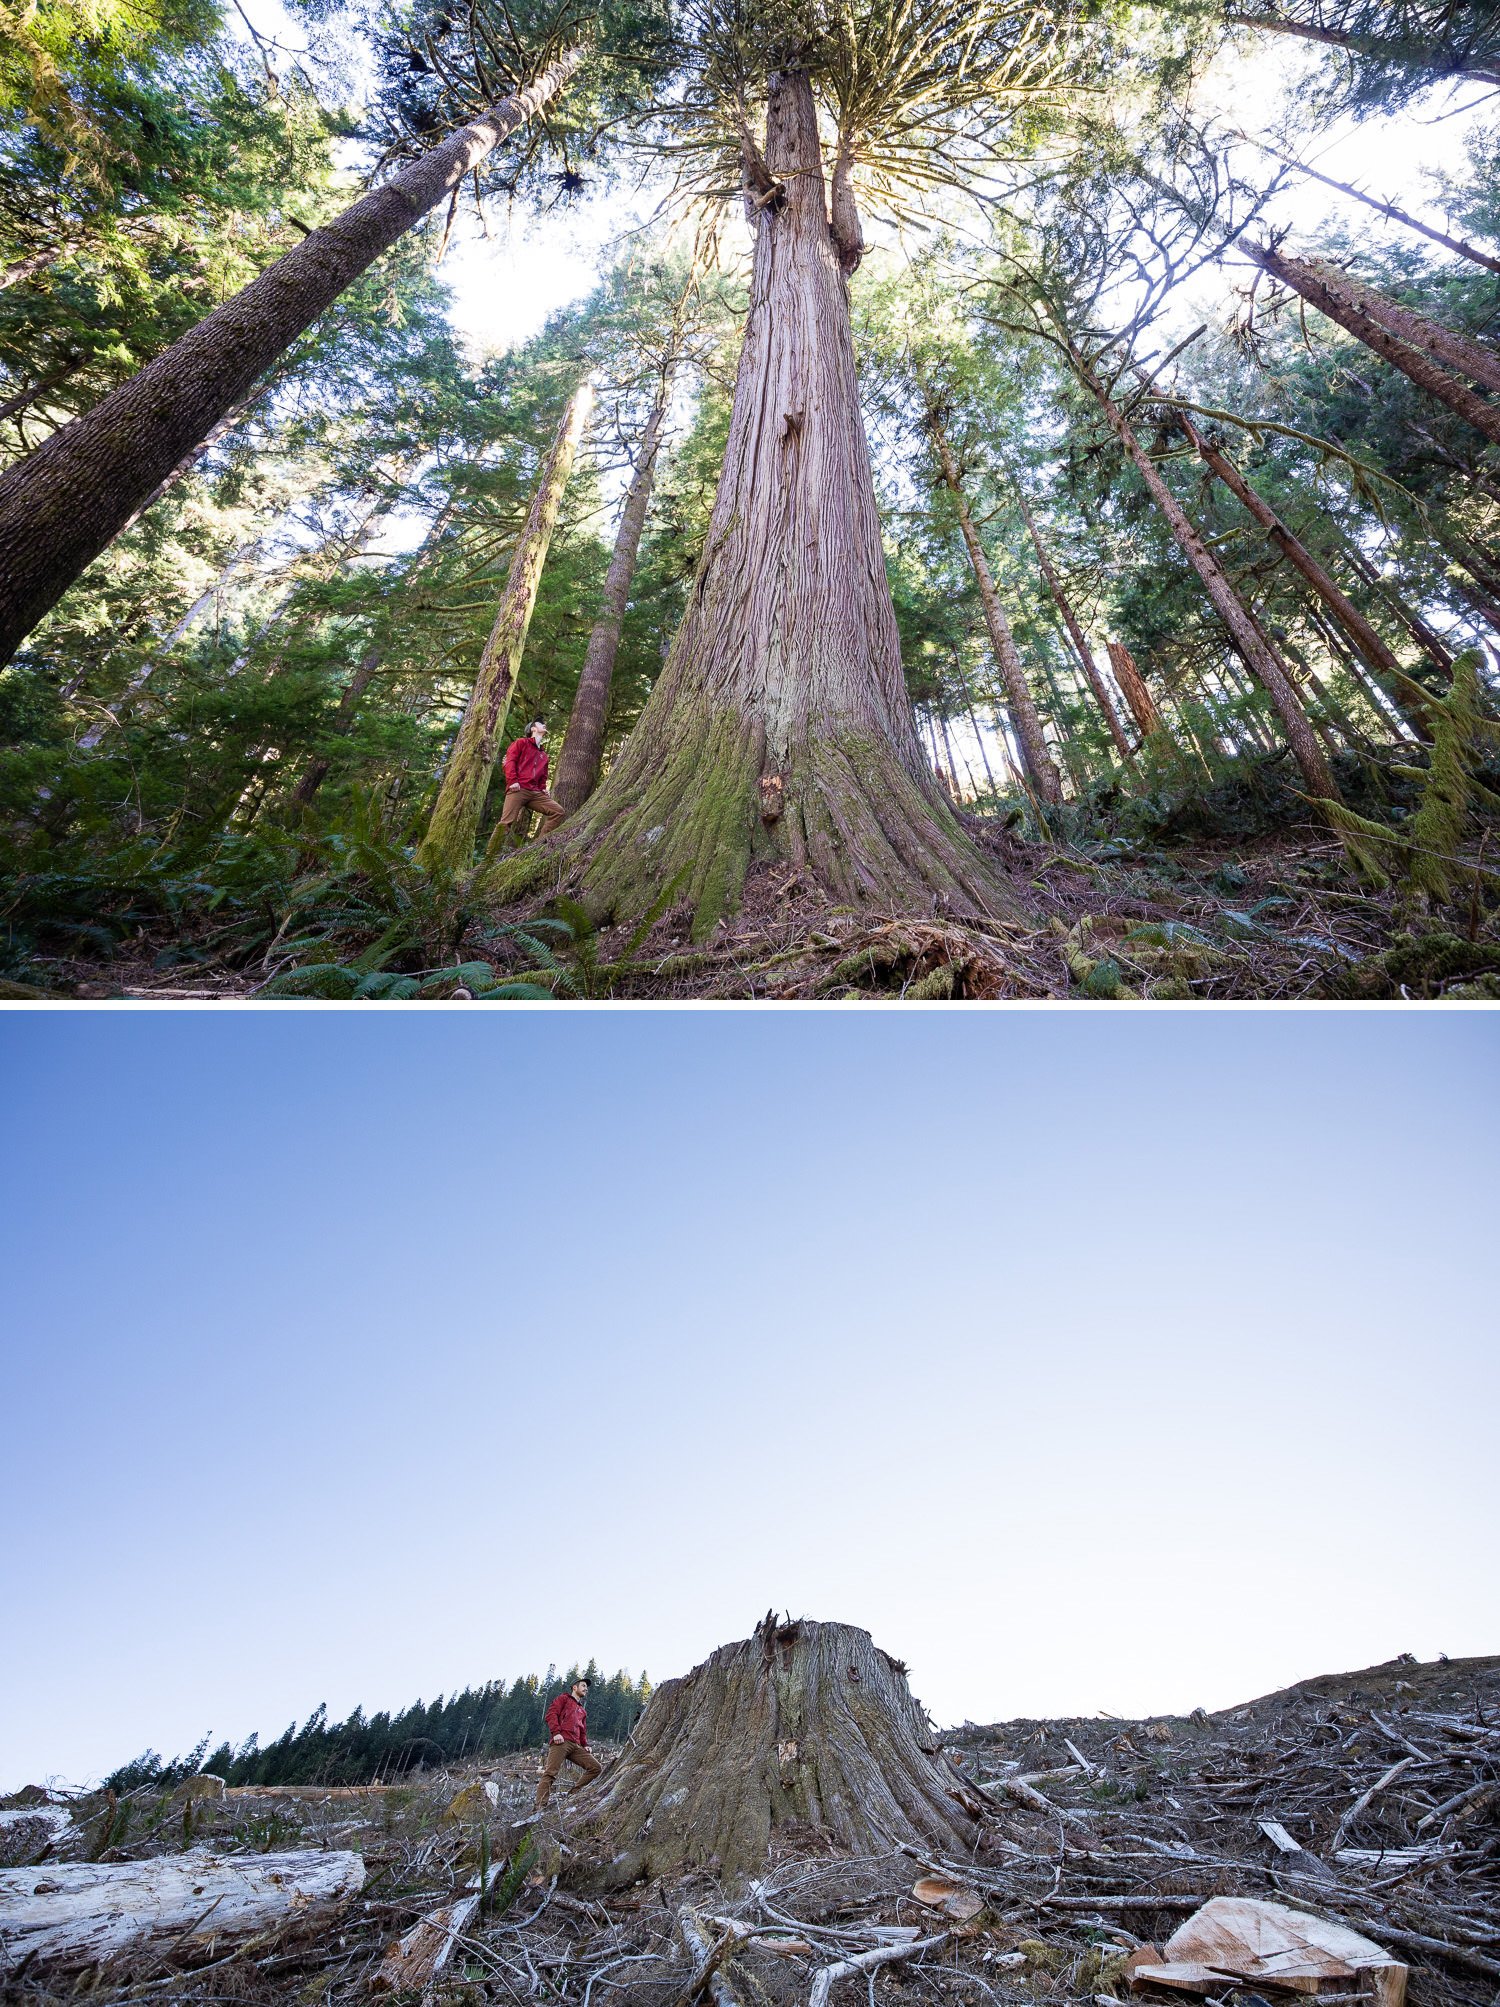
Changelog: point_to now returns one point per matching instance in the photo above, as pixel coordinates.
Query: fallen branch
(420, 1954)
(827, 1978)
(709, 1958)
(1369, 1796)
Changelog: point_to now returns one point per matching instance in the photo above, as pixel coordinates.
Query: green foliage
(1422, 854)
(479, 1722)
(503, 1892)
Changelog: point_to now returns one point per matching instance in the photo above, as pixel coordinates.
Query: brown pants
(520, 801)
(559, 1753)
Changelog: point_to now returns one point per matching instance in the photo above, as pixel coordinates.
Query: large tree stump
(802, 1724)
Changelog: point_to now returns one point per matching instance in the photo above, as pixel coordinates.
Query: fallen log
(83, 1913)
(308, 1791)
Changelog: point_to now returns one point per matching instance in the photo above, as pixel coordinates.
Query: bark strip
(1134, 690)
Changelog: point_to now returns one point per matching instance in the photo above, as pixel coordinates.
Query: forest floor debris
(1120, 1833)
(1282, 914)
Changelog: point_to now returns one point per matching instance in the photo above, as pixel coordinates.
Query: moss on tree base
(844, 812)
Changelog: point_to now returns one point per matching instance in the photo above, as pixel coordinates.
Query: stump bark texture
(802, 1724)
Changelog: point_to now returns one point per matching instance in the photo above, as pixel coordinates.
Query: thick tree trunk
(583, 749)
(1373, 47)
(803, 1723)
(1459, 351)
(1227, 603)
(1142, 704)
(73, 496)
(1076, 634)
(780, 726)
(1037, 761)
(1327, 291)
(1372, 649)
(456, 813)
(76, 1913)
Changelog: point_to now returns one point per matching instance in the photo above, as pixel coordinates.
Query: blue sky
(1091, 1361)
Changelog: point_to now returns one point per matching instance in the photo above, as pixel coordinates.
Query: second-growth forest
(1010, 507)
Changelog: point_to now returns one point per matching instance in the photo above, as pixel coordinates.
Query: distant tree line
(376, 1749)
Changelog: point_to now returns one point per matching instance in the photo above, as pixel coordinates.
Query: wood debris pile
(1364, 1808)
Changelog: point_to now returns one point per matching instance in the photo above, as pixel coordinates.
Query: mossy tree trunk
(801, 1724)
(64, 504)
(1254, 649)
(583, 748)
(449, 842)
(780, 726)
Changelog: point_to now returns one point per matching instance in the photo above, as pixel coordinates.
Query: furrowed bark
(1076, 634)
(1038, 762)
(800, 1724)
(1372, 649)
(1459, 351)
(456, 813)
(1134, 690)
(583, 748)
(1258, 655)
(1316, 287)
(780, 726)
(73, 496)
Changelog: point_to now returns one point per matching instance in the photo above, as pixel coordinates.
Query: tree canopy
(1180, 440)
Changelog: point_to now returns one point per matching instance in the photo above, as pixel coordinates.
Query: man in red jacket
(526, 782)
(567, 1724)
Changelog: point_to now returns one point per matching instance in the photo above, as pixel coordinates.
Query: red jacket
(565, 1717)
(525, 764)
